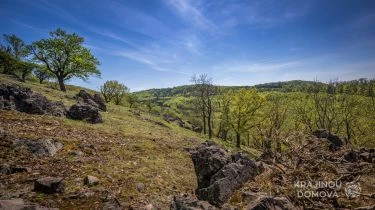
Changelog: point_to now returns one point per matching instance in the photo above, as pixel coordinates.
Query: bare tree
(204, 90)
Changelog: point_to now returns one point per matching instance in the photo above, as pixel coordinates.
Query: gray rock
(219, 174)
(208, 159)
(90, 180)
(8, 169)
(111, 203)
(335, 141)
(188, 203)
(140, 187)
(264, 202)
(94, 100)
(85, 112)
(19, 204)
(14, 97)
(76, 153)
(46, 147)
(82, 194)
(49, 185)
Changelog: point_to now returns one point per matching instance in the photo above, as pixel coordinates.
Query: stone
(76, 153)
(264, 202)
(140, 187)
(186, 202)
(81, 194)
(49, 185)
(94, 100)
(19, 204)
(335, 141)
(8, 169)
(111, 203)
(13, 97)
(90, 180)
(197, 129)
(220, 175)
(85, 112)
(149, 207)
(208, 159)
(46, 147)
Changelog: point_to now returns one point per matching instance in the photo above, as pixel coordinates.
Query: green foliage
(244, 106)
(13, 66)
(132, 99)
(42, 73)
(114, 91)
(15, 46)
(65, 57)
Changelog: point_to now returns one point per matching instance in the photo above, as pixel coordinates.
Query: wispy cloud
(190, 13)
(28, 26)
(254, 67)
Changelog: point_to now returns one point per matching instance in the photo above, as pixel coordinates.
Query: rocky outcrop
(13, 97)
(19, 204)
(94, 100)
(335, 141)
(49, 185)
(46, 147)
(220, 174)
(85, 112)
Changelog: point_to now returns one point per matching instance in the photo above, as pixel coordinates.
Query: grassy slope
(124, 150)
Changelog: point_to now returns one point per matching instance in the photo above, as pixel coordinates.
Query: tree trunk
(238, 140)
(209, 125)
(204, 125)
(61, 83)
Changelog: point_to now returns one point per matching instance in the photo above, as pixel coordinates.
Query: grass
(124, 150)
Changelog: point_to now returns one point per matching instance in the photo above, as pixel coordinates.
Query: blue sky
(162, 43)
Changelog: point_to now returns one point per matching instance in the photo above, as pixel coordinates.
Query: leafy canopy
(64, 55)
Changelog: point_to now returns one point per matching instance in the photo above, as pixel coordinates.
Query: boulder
(208, 159)
(335, 141)
(94, 100)
(49, 185)
(46, 147)
(219, 174)
(9, 169)
(90, 180)
(85, 112)
(13, 97)
(19, 204)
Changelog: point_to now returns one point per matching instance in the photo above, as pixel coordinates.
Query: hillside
(137, 159)
(125, 150)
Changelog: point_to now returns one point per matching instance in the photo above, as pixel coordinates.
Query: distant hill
(359, 86)
(186, 90)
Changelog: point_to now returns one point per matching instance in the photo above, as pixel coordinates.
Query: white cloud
(190, 13)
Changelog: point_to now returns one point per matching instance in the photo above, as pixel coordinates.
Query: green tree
(13, 57)
(42, 73)
(245, 104)
(15, 46)
(114, 91)
(65, 57)
(132, 100)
